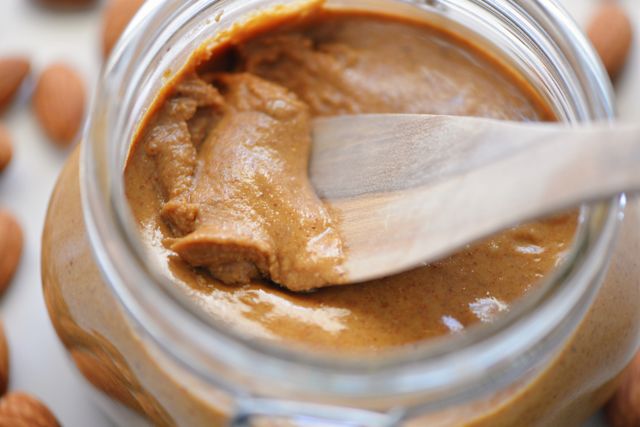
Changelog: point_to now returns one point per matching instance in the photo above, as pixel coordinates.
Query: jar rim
(431, 368)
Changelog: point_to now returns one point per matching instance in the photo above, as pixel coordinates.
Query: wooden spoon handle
(354, 155)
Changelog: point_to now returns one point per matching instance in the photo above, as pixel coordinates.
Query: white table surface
(39, 364)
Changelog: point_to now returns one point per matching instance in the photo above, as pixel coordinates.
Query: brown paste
(217, 179)
(231, 156)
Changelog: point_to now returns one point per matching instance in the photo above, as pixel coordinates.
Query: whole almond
(4, 361)
(611, 34)
(6, 147)
(10, 248)
(13, 71)
(117, 15)
(66, 4)
(58, 102)
(623, 410)
(19, 409)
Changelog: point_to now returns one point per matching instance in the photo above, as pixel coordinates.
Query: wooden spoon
(409, 189)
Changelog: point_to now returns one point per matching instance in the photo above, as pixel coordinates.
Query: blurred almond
(19, 409)
(58, 102)
(6, 147)
(65, 4)
(611, 34)
(11, 241)
(13, 71)
(623, 410)
(4, 361)
(117, 15)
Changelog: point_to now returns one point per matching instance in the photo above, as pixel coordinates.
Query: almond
(4, 361)
(58, 102)
(66, 4)
(13, 71)
(22, 410)
(623, 410)
(10, 248)
(611, 34)
(6, 148)
(117, 15)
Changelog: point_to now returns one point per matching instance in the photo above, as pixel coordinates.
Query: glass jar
(152, 358)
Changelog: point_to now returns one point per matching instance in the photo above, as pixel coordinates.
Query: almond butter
(6, 147)
(117, 15)
(611, 34)
(4, 361)
(10, 248)
(13, 71)
(58, 102)
(19, 409)
(623, 410)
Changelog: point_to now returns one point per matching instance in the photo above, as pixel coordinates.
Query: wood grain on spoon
(408, 189)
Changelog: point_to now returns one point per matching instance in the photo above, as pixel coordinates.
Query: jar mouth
(486, 356)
